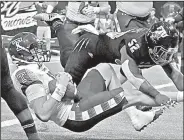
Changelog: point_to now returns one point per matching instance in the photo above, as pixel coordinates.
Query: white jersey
(30, 74)
(115, 78)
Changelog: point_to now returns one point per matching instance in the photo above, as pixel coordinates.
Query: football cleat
(49, 17)
(143, 119)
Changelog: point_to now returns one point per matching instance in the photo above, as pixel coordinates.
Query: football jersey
(137, 48)
(30, 74)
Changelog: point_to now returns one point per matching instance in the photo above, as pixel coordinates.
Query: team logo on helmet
(18, 46)
(160, 32)
(162, 39)
(26, 47)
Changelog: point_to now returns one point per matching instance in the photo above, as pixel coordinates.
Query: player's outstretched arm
(174, 74)
(134, 75)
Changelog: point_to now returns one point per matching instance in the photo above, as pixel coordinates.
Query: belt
(138, 18)
(77, 23)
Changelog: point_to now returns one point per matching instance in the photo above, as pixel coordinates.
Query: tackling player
(55, 98)
(16, 101)
(140, 47)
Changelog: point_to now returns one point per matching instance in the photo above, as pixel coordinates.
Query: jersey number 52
(133, 45)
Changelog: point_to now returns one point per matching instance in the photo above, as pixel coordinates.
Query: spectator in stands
(152, 19)
(178, 20)
(60, 7)
(133, 14)
(43, 30)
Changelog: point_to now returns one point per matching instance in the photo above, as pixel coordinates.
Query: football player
(54, 97)
(16, 101)
(143, 47)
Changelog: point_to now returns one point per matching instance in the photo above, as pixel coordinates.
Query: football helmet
(162, 39)
(25, 47)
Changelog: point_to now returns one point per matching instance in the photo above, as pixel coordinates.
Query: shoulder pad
(26, 78)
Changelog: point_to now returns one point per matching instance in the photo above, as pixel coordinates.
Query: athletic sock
(29, 127)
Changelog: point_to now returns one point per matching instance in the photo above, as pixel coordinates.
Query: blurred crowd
(107, 16)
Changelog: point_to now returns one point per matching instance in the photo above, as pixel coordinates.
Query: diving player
(55, 98)
(142, 47)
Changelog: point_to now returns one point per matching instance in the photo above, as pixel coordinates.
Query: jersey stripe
(98, 109)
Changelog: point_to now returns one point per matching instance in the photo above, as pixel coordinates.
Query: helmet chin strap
(20, 60)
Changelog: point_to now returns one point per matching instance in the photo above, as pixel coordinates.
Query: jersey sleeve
(23, 79)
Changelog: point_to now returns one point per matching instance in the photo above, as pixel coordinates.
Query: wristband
(59, 92)
(62, 89)
(56, 96)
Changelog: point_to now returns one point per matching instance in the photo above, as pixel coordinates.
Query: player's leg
(94, 95)
(93, 91)
(182, 56)
(16, 101)
(69, 26)
(135, 97)
(66, 41)
(47, 35)
(79, 58)
(40, 32)
(101, 103)
(138, 118)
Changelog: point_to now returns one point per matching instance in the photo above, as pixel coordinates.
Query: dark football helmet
(25, 47)
(162, 39)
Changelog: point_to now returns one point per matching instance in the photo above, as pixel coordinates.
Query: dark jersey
(91, 50)
(137, 47)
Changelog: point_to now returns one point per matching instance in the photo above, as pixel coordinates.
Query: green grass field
(168, 126)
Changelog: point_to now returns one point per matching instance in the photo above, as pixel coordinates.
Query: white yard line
(15, 121)
(164, 85)
(12, 122)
